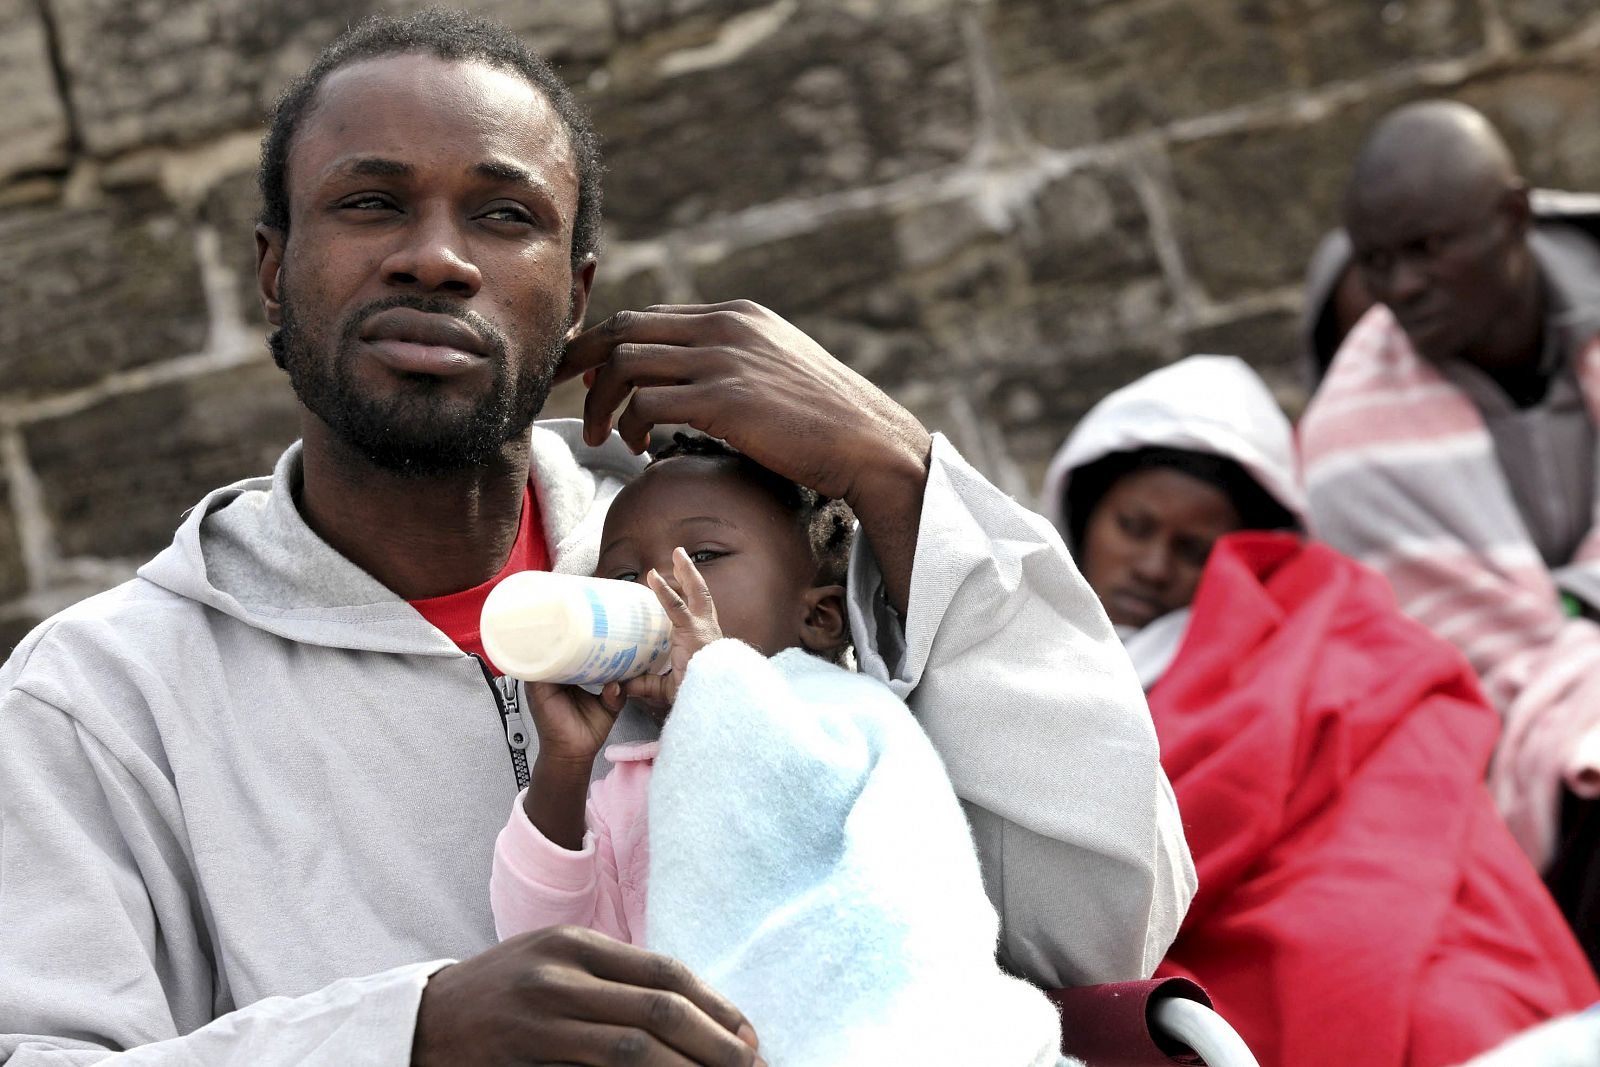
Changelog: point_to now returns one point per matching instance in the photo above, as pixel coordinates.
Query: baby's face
(752, 552)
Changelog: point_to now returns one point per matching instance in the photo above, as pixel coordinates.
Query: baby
(793, 836)
(754, 557)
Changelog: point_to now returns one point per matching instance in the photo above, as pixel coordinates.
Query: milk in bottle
(543, 627)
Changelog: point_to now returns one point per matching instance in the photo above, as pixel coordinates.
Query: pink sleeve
(536, 883)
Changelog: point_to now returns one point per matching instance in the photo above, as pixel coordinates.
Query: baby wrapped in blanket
(792, 837)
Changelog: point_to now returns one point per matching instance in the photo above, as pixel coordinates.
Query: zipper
(508, 703)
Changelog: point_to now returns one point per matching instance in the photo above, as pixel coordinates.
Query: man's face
(424, 290)
(1447, 262)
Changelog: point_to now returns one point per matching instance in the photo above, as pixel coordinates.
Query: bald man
(1452, 445)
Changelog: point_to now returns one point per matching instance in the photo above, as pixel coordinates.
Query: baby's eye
(625, 576)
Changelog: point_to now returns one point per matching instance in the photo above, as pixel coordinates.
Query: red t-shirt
(457, 614)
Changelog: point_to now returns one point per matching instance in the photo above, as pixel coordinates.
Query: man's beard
(415, 431)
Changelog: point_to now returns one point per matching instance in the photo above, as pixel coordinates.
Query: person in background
(1452, 447)
(1360, 899)
(1566, 225)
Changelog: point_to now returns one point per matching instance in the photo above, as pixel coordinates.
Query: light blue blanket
(809, 860)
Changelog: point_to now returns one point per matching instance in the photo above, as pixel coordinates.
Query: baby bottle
(543, 627)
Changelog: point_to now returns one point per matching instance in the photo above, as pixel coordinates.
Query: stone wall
(997, 209)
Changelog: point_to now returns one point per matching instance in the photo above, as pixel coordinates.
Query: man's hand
(566, 995)
(739, 372)
(694, 626)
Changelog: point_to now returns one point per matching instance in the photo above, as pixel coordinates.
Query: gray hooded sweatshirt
(248, 800)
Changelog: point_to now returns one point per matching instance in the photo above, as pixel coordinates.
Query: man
(1453, 443)
(248, 800)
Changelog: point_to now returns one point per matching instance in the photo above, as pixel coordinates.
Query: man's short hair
(448, 35)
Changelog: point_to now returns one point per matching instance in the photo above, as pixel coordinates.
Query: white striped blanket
(1401, 473)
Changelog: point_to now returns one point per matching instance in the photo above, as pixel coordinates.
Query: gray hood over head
(1216, 405)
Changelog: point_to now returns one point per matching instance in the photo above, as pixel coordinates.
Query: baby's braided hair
(829, 523)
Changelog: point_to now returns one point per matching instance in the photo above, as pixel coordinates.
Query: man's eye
(509, 213)
(705, 555)
(368, 203)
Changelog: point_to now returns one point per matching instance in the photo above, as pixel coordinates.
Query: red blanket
(1360, 900)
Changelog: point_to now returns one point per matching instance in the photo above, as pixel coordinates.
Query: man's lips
(418, 342)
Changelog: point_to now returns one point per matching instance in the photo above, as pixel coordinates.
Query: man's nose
(434, 257)
(1407, 281)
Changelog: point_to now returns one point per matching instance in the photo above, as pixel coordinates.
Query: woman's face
(1147, 540)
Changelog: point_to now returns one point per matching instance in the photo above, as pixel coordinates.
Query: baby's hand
(573, 724)
(694, 626)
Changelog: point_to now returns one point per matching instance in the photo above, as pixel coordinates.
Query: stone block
(33, 125)
(108, 500)
(944, 288)
(1251, 205)
(1096, 286)
(13, 571)
(1269, 341)
(819, 102)
(631, 291)
(1036, 408)
(573, 36)
(813, 269)
(230, 208)
(1551, 119)
(1537, 23)
(159, 71)
(1352, 40)
(97, 290)
(1080, 71)
(638, 17)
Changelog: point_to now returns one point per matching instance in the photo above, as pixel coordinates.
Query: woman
(1360, 901)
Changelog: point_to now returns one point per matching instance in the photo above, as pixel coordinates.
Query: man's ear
(1518, 207)
(582, 282)
(269, 261)
(825, 626)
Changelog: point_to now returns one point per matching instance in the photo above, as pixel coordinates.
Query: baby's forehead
(694, 481)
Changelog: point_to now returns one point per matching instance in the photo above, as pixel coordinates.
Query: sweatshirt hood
(1214, 405)
(245, 550)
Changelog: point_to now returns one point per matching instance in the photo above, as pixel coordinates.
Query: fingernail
(747, 1034)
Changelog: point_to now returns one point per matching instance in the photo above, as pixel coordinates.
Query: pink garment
(1402, 474)
(535, 883)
